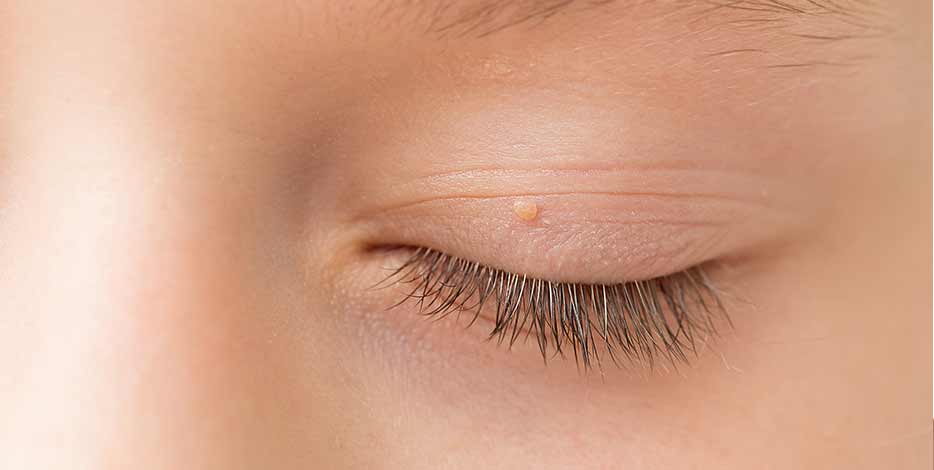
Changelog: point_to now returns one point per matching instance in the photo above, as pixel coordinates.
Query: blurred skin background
(191, 191)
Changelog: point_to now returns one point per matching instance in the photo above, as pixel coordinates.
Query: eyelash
(636, 321)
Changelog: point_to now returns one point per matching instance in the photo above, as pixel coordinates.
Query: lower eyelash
(635, 321)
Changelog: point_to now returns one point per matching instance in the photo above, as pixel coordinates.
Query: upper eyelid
(580, 227)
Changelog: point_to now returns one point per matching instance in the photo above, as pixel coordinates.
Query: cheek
(476, 401)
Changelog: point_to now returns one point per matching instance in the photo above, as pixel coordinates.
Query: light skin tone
(196, 198)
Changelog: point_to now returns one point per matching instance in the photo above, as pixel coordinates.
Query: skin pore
(197, 198)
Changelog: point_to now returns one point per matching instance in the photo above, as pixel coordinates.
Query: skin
(194, 197)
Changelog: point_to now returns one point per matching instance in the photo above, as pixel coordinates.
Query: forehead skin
(188, 189)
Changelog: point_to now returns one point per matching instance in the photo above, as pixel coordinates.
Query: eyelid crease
(752, 191)
(712, 197)
(597, 168)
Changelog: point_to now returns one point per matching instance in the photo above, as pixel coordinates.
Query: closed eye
(665, 318)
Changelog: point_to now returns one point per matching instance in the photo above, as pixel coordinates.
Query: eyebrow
(481, 18)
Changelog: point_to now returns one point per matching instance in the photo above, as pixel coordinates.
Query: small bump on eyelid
(525, 210)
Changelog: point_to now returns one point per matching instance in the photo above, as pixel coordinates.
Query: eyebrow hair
(481, 18)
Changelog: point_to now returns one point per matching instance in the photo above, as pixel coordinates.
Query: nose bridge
(144, 248)
(122, 310)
